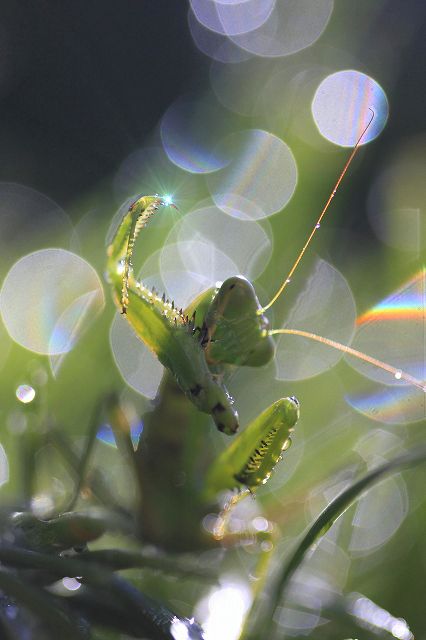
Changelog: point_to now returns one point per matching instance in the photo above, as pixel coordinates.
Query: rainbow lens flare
(394, 331)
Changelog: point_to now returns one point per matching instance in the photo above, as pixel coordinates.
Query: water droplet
(398, 375)
(25, 393)
(266, 546)
(286, 445)
(317, 226)
(260, 524)
(288, 280)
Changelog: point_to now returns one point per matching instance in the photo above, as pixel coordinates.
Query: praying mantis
(223, 327)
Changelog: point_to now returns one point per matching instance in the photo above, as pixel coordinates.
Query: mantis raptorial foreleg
(250, 459)
(168, 332)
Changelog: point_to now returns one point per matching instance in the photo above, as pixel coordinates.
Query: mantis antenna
(318, 222)
(397, 373)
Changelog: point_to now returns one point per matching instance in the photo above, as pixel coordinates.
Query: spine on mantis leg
(121, 250)
(250, 459)
(169, 333)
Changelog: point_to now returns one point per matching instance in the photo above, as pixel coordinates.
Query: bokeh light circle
(140, 369)
(189, 131)
(182, 270)
(291, 26)
(396, 201)
(48, 298)
(175, 281)
(25, 393)
(189, 267)
(209, 224)
(260, 178)
(314, 311)
(373, 527)
(240, 86)
(344, 104)
(29, 219)
(215, 45)
(232, 18)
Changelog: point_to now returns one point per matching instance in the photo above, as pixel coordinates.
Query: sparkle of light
(138, 366)
(179, 630)
(226, 609)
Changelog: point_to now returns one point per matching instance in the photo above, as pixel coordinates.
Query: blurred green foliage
(333, 444)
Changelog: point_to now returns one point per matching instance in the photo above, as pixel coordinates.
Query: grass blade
(323, 523)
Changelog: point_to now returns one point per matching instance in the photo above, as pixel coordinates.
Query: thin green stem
(119, 559)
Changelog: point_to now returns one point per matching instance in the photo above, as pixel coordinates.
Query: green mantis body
(223, 326)
(220, 327)
(164, 329)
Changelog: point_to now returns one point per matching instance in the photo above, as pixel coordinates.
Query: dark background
(83, 83)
